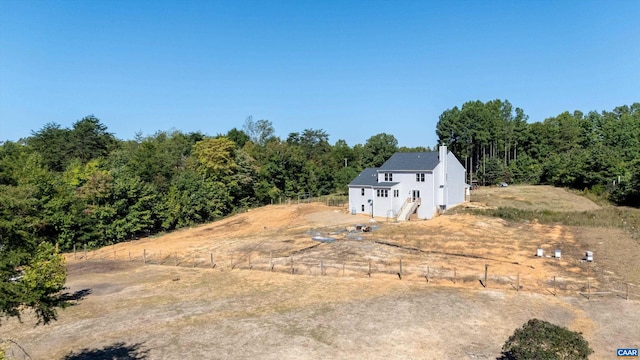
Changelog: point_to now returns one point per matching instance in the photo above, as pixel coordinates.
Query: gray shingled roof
(369, 177)
(412, 161)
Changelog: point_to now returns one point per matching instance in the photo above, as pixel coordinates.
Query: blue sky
(351, 68)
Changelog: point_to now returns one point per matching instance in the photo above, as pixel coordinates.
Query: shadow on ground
(76, 296)
(117, 351)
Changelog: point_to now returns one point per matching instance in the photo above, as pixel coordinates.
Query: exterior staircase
(407, 209)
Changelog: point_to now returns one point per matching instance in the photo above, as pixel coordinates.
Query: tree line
(82, 186)
(598, 152)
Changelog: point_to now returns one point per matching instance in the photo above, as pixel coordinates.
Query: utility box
(557, 254)
(589, 256)
(540, 253)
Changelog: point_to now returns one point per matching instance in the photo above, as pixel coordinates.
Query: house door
(415, 195)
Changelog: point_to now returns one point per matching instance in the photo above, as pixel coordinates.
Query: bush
(539, 339)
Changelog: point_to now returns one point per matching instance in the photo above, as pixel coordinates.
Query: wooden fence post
(518, 282)
(211, 256)
(175, 258)
(144, 256)
(74, 252)
(486, 270)
(588, 289)
(129, 255)
(554, 286)
(114, 251)
(400, 273)
(292, 265)
(85, 251)
(344, 265)
(427, 273)
(454, 275)
(627, 291)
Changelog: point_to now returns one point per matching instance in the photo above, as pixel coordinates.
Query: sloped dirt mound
(268, 222)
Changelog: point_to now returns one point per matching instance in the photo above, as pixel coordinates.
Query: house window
(362, 207)
(388, 176)
(420, 177)
(382, 193)
(362, 192)
(396, 193)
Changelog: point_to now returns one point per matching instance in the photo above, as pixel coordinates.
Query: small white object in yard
(540, 253)
(589, 256)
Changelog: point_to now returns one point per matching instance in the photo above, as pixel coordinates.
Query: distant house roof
(412, 161)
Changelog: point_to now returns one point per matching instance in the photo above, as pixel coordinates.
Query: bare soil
(345, 299)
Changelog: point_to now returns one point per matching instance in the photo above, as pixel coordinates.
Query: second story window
(388, 176)
(362, 192)
(420, 177)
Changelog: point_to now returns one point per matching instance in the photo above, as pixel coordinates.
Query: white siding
(456, 181)
(428, 198)
(382, 206)
(356, 199)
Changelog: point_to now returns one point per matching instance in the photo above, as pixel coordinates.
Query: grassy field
(405, 290)
(554, 205)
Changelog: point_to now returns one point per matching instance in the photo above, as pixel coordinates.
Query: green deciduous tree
(379, 149)
(32, 273)
(192, 200)
(237, 136)
(216, 156)
(260, 131)
(44, 277)
(52, 143)
(89, 139)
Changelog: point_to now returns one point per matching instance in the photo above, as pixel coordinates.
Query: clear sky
(351, 68)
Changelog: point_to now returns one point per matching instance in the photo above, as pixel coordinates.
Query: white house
(417, 182)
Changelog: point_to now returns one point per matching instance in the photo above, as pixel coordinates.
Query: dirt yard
(256, 286)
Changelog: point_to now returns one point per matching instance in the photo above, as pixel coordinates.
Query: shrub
(539, 339)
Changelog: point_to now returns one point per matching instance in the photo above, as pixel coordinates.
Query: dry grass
(180, 312)
(530, 197)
